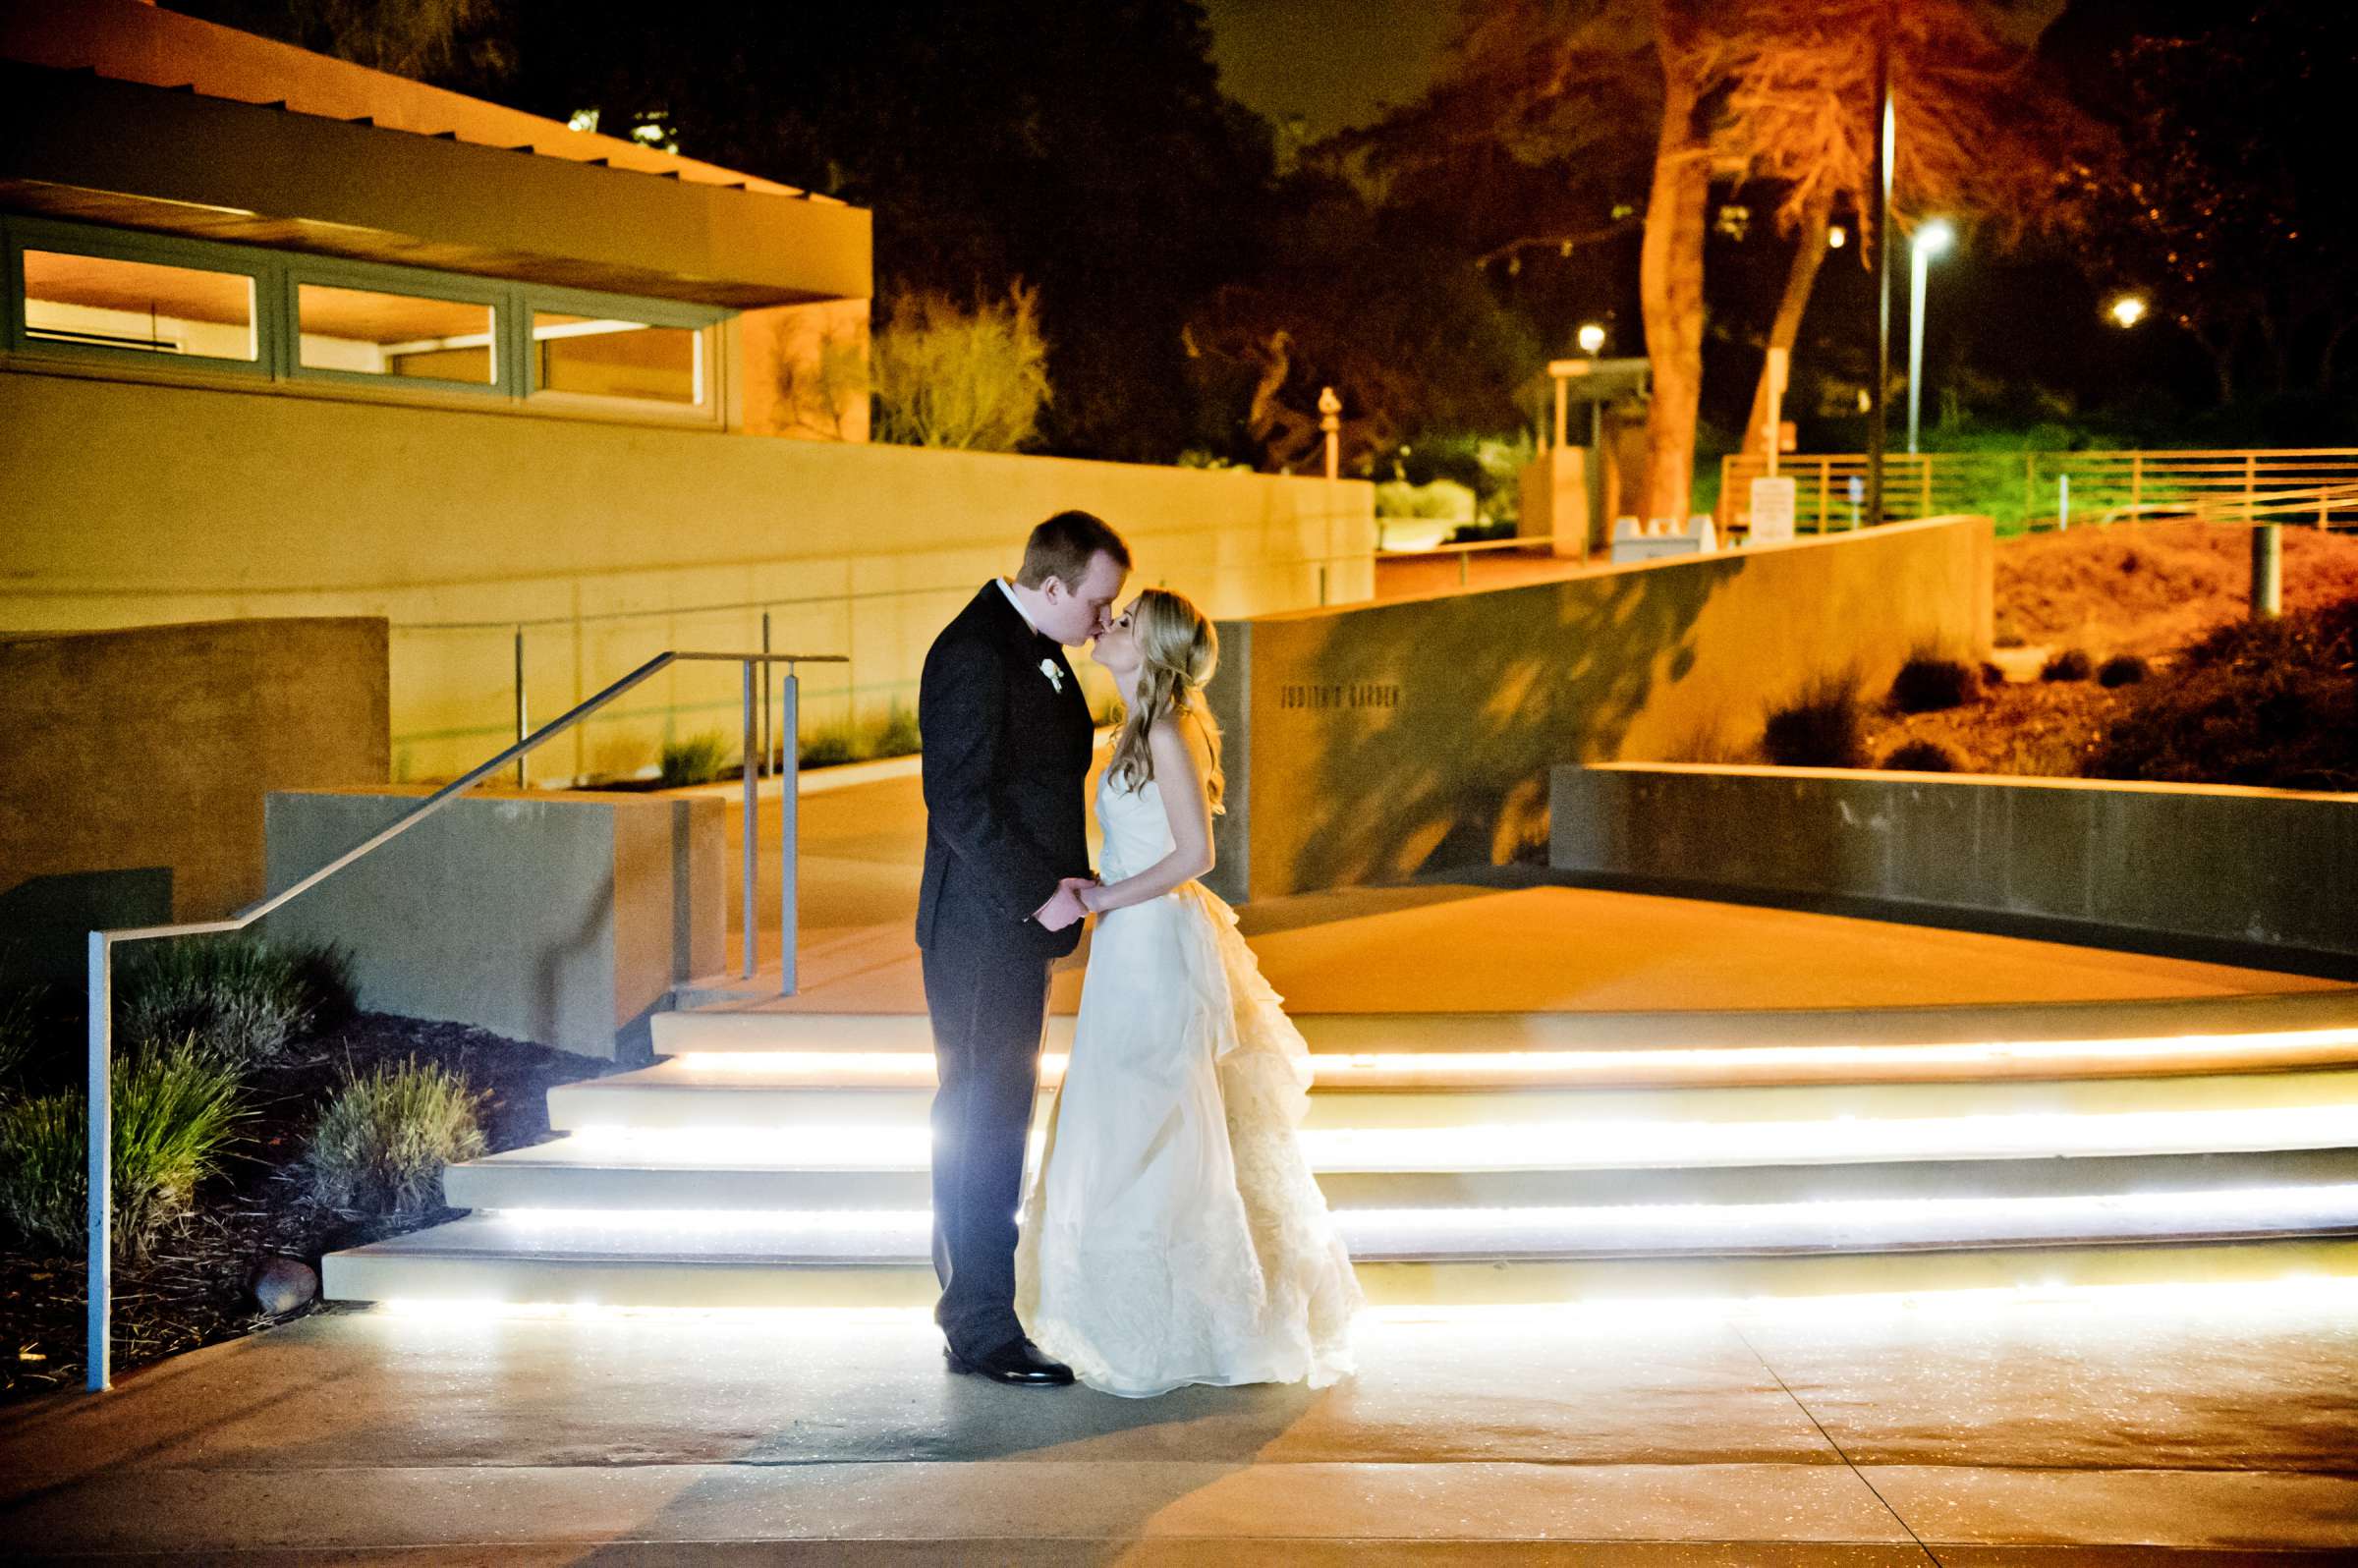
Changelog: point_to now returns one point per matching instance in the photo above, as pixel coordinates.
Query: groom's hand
(1064, 909)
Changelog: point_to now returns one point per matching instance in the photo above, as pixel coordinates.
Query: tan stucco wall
(125, 751)
(1375, 742)
(133, 503)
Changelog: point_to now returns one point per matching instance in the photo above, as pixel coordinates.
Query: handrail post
(521, 730)
(790, 778)
(767, 736)
(102, 1195)
(753, 824)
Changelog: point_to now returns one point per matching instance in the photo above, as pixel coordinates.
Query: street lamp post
(1928, 242)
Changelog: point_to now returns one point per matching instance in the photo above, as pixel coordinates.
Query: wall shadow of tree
(1495, 688)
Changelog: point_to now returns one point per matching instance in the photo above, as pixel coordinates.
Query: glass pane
(394, 334)
(138, 304)
(612, 359)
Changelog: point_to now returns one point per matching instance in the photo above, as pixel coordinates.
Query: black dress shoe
(1018, 1362)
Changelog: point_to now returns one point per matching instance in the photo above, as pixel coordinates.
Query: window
(407, 336)
(142, 307)
(607, 357)
(80, 292)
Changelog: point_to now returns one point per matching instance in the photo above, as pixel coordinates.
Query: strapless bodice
(1135, 829)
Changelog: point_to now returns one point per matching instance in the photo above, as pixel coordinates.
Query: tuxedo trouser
(989, 1010)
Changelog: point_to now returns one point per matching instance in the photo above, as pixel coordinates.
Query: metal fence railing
(2316, 487)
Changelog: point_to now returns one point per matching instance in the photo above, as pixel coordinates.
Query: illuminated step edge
(674, 1095)
(418, 1269)
(1859, 1225)
(1587, 1144)
(568, 1174)
(1614, 1032)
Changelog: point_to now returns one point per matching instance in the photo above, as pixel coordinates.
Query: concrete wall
(556, 917)
(2248, 867)
(219, 504)
(133, 766)
(1375, 742)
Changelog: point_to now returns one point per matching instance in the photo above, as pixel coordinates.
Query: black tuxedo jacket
(1006, 753)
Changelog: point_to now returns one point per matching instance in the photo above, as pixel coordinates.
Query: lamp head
(1933, 237)
(1592, 337)
(2127, 309)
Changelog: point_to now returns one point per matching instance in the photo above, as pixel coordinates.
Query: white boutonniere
(1054, 673)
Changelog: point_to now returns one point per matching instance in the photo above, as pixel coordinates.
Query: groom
(1006, 749)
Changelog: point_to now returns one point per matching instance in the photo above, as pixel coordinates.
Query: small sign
(1772, 512)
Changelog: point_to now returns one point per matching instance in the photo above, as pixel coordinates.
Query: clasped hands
(1066, 906)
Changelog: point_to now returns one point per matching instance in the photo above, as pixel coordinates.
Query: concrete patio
(2097, 1431)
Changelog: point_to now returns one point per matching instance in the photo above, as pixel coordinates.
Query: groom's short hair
(1061, 546)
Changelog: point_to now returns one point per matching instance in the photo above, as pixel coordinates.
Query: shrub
(383, 1141)
(1927, 684)
(2071, 664)
(946, 376)
(697, 759)
(2271, 703)
(828, 747)
(330, 993)
(1992, 675)
(2122, 669)
(1922, 756)
(899, 737)
(1819, 729)
(175, 1111)
(240, 998)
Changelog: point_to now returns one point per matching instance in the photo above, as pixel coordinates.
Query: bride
(1173, 1234)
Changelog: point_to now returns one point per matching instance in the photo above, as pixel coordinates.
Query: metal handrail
(102, 943)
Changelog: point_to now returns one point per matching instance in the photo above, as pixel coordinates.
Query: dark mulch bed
(193, 1288)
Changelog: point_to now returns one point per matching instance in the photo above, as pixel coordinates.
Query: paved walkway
(2074, 1433)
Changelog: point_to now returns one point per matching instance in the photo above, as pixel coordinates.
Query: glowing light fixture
(2126, 310)
(1837, 237)
(1592, 337)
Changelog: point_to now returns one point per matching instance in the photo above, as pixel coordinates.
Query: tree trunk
(1670, 289)
(1786, 330)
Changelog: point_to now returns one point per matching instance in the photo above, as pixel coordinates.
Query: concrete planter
(551, 916)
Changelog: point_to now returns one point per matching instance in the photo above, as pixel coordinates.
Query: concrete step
(489, 1260)
(585, 1174)
(1651, 1049)
(744, 1104)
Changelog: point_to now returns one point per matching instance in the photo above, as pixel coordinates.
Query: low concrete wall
(557, 917)
(133, 766)
(2245, 868)
(221, 503)
(1373, 742)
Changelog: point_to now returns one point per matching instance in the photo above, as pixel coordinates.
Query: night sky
(1333, 63)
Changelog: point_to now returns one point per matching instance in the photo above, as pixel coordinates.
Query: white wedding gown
(1173, 1234)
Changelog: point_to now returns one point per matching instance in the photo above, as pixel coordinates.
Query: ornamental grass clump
(20, 1020)
(697, 759)
(2122, 669)
(1922, 756)
(1819, 729)
(383, 1141)
(176, 1110)
(239, 997)
(2072, 664)
(1927, 684)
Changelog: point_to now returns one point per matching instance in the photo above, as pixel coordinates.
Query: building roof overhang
(77, 144)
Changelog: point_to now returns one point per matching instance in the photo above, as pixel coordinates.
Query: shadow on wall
(1529, 678)
(45, 921)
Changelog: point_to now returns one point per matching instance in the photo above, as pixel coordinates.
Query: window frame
(277, 277)
(413, 283)
(125, 244)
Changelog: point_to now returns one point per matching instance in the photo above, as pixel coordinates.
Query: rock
(283, 1284)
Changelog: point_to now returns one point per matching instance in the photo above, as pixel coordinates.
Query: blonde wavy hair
(1178, 651)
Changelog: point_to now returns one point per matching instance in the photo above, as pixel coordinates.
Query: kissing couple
(1172, 1233)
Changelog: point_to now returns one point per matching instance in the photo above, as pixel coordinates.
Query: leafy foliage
(2271, 703)
(950, 376)
(383, 1141)
(175, 1109)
